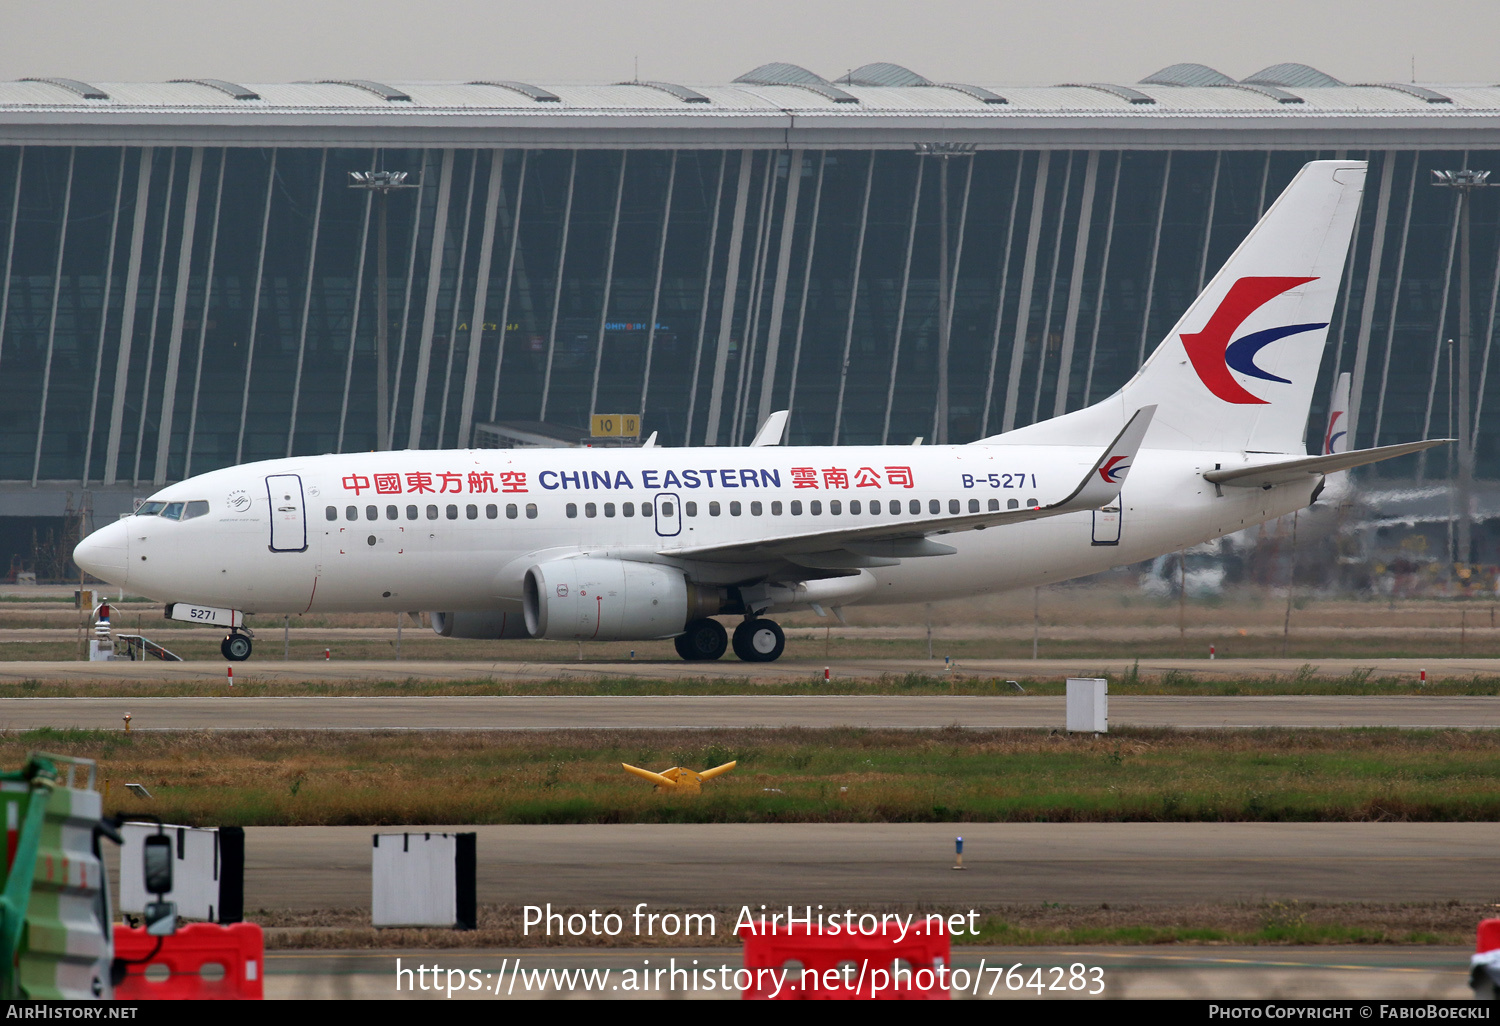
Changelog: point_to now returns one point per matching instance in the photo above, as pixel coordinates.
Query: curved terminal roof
(1293, 76)
(882, 73)
(1188, 75)
(801, 78)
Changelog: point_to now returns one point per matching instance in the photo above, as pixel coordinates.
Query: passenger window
(351, 513)
(994, 505)
(196, 508)
(734, 509)
(915, 506)
(796, 507)
(627, 509)
(492, 511)
(690, 508)
(332, 513)
(471, 511)
(531, 511)
(646, 510)
(411, 512)
(953, 506)
(973, 505)
(511, 512)
(835, 507)
(392, 513)
(815, 507)
(452, 512)
(874, 507)
(572, 510)
(1011, 504)
(896, 506)
(372, 512)
(1032, 502)
(590, 510)
(855, 507)
(776, 508)
(755, 509)
(933, 506)
(609, 509)
(713, 509)
(432, 513)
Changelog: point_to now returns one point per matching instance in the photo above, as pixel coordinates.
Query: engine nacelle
(485, 625)
(611, 600)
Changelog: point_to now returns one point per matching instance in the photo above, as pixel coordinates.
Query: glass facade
(165, 311)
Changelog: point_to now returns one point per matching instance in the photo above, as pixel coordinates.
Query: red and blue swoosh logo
(1334, 432)
(1215, 351)
(1112, 471)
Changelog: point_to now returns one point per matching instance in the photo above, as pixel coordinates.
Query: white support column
(62, 247)
(510, 270)
(1437, 343)
(812, 242)
(911, 239)
(731, 287)
(312, 267)
(359, 290)
(1109, 238)
(778, 291)
(1161, 213)
(1489, 346)
(609, 282)
(458, 296)
(557, 285)
(161, 272)
(1028, 280)
(1010, 228)
(708, 278)
(411, 274)
(1372, 289)
(481, 299)
(127, 318)
(109, 280)
(179, 314)
(208, 291)
(1046, 331)
(754, 298)
(859, 256)
(661, 260)
(1208, 223)
(429, 309)
(1075, 284)
(260, 277)
(10, 245)
(1390, 328)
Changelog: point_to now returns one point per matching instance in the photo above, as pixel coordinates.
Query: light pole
(382, 184)
(943, 151)
(1464, 182)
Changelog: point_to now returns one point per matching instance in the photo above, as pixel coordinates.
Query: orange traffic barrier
(822, 966)
(204, 961)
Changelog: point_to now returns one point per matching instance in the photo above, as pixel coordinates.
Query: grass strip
(844, 775)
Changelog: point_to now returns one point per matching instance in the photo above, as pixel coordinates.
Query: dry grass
(794, 775)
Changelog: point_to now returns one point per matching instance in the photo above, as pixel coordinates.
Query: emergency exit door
(288, 513)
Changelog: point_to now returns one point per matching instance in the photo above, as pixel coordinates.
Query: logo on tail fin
(1112, 472)
(1214, 351)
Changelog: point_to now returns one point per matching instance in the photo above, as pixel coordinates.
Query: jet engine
(612, 600)
(485, 625)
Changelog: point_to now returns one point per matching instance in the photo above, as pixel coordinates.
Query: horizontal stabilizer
(1267, 475)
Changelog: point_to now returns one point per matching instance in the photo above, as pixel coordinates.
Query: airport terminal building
(191, 281)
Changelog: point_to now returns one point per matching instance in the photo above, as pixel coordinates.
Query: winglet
(771, 431)
(1102, 485)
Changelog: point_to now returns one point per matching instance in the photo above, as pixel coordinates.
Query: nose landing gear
(236, 647)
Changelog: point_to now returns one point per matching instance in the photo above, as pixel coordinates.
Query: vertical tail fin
(1238, 370)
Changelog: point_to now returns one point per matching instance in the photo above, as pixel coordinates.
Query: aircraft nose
(105, 553)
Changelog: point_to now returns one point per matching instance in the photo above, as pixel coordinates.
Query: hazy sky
(1010, 42)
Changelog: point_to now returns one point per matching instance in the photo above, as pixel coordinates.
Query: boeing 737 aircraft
(593, 544)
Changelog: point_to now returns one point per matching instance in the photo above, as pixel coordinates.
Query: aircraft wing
(887, 543)
(1266, 475)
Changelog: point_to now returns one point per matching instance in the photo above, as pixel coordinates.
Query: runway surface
(692, 711)
(707, 866)
(1359, 974)
(270, 670)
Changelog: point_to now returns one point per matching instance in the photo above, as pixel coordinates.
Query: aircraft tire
(759, 641)
(236, 648)
(702, 641)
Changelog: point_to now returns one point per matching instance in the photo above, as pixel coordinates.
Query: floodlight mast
(943, 151)
(1464, 182)
(382, 184)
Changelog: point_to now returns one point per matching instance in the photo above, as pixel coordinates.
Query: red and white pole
(229, 672)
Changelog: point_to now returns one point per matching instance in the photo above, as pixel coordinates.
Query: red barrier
(843, 967)
(237, 950)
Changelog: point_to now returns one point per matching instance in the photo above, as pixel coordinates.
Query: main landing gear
(236, 647)
(756, 640)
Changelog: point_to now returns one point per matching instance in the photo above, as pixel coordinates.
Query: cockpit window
(173, 511)
(150, 509)
(196, 508)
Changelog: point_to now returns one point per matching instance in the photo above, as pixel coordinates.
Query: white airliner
(612, 544)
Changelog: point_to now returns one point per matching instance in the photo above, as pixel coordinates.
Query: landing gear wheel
(759, 641)
(236, 648)
(702, 641)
